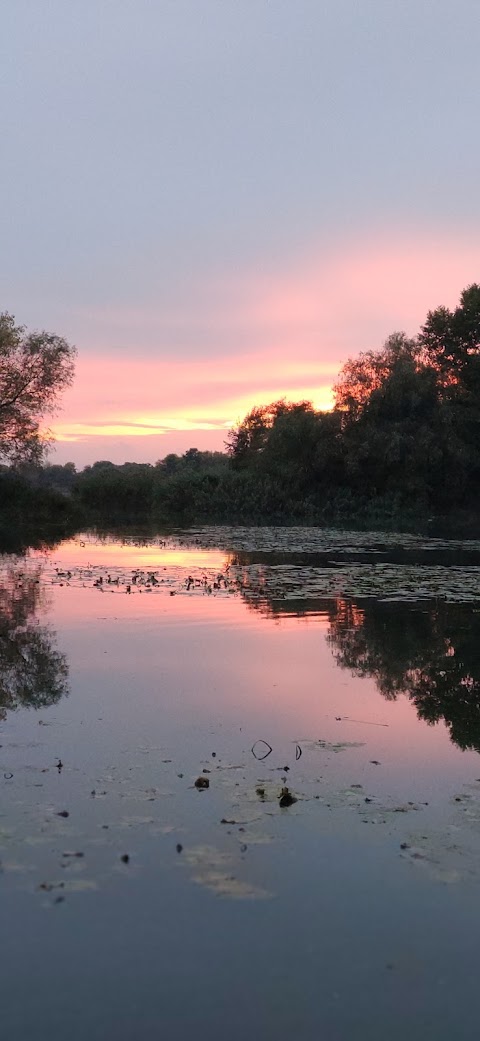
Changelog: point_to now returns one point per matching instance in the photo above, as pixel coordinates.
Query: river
(240, 785)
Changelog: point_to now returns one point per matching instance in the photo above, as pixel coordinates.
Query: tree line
(401, 442)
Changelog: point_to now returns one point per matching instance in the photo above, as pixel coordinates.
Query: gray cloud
(143, 141)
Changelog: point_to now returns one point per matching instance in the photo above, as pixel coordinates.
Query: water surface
(138, 905)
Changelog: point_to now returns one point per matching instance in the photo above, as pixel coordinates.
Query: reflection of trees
(431, 653)
(428, 651)
(33, 673)
(18, 539)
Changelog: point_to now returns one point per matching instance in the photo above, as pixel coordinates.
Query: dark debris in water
(253, 804)
(286, 798)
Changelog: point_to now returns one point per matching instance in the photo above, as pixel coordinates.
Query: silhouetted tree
(246, 442)
(450, 340)
(34, 369)
(361, 376)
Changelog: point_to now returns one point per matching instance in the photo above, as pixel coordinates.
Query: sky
(220, 201)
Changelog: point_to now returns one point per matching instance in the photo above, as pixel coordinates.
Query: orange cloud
(141, 398)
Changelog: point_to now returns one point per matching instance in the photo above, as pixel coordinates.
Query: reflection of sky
(72, 553)
(212, 664)
(221, 656)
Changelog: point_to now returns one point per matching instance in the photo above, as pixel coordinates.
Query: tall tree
(247, 442)
(450, 343)
(361, 376)
(450, 340)
(34, 369)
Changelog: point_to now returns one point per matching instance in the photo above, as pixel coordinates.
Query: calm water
(136, 905)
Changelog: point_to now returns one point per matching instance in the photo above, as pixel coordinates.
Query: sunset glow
(278, 334)
(85, 553)
(207, 397)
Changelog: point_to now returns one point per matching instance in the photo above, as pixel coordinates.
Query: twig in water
(266, 745)
(367, 722)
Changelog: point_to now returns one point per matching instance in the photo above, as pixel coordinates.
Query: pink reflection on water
(212, 660)
(83, 551)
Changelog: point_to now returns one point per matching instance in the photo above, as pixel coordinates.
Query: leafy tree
(450, 340)
(292, 441)
(395, 443)
(361, 376)
(170, 464)
(192, 459)
(57, 476)
(450, 343)
(34, 369)
(107, 487)
(248, 441)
